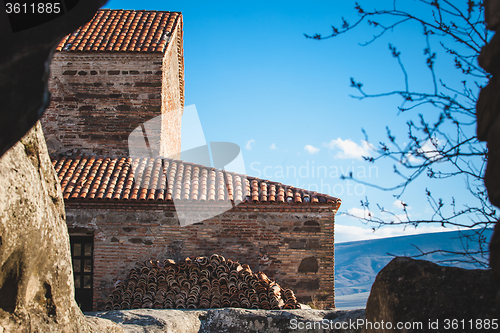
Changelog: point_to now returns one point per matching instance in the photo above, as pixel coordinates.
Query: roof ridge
(138, 10)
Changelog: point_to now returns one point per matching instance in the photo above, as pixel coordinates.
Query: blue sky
(258, 82)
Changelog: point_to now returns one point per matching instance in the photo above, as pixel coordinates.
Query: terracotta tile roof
(150, 179)
(123, 31)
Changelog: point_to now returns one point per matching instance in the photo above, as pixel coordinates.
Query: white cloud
(248, 146)
(273, 146)
(344, 233)
(400, 204)
(311, 150)
(412, 159)
(429, 149)
(350, 149)
(359, 212)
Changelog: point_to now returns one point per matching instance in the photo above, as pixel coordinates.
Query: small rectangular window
(87, 281)
(87, 266)
(88, 250)
(77, 264)
(77, 249)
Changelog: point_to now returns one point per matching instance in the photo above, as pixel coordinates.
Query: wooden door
(82, 251)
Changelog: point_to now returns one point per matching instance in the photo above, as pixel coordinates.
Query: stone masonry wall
(98, 99)
(293, 247)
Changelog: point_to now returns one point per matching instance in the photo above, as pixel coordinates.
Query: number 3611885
(33, 8)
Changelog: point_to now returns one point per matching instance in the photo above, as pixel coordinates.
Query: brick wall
(99, 98)
(291, 244)
(173, 95)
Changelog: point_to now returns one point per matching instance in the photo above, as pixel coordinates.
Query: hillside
(357, 263)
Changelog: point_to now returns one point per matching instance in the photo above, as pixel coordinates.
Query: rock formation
(24, 64)
(417, 291)
(36, 279)
(36, 287)
(236, 320)
(488, 122)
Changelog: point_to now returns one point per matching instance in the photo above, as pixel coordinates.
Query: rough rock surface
(36, 284)
(233, 320)
(411, 291)
(24, 62)
(488, 123)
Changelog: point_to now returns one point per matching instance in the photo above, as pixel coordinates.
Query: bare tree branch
(443, 149)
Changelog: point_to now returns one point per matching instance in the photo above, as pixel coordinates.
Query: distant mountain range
(358, 263)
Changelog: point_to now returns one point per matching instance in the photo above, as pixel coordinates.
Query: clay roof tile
(91, 178)
(100, 33)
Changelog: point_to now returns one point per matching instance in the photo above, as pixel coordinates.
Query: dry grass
(316, 303)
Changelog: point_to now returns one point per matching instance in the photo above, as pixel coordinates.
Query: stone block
(309, 264)
(418, 291)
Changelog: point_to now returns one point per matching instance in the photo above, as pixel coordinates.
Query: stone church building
(120, 70)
